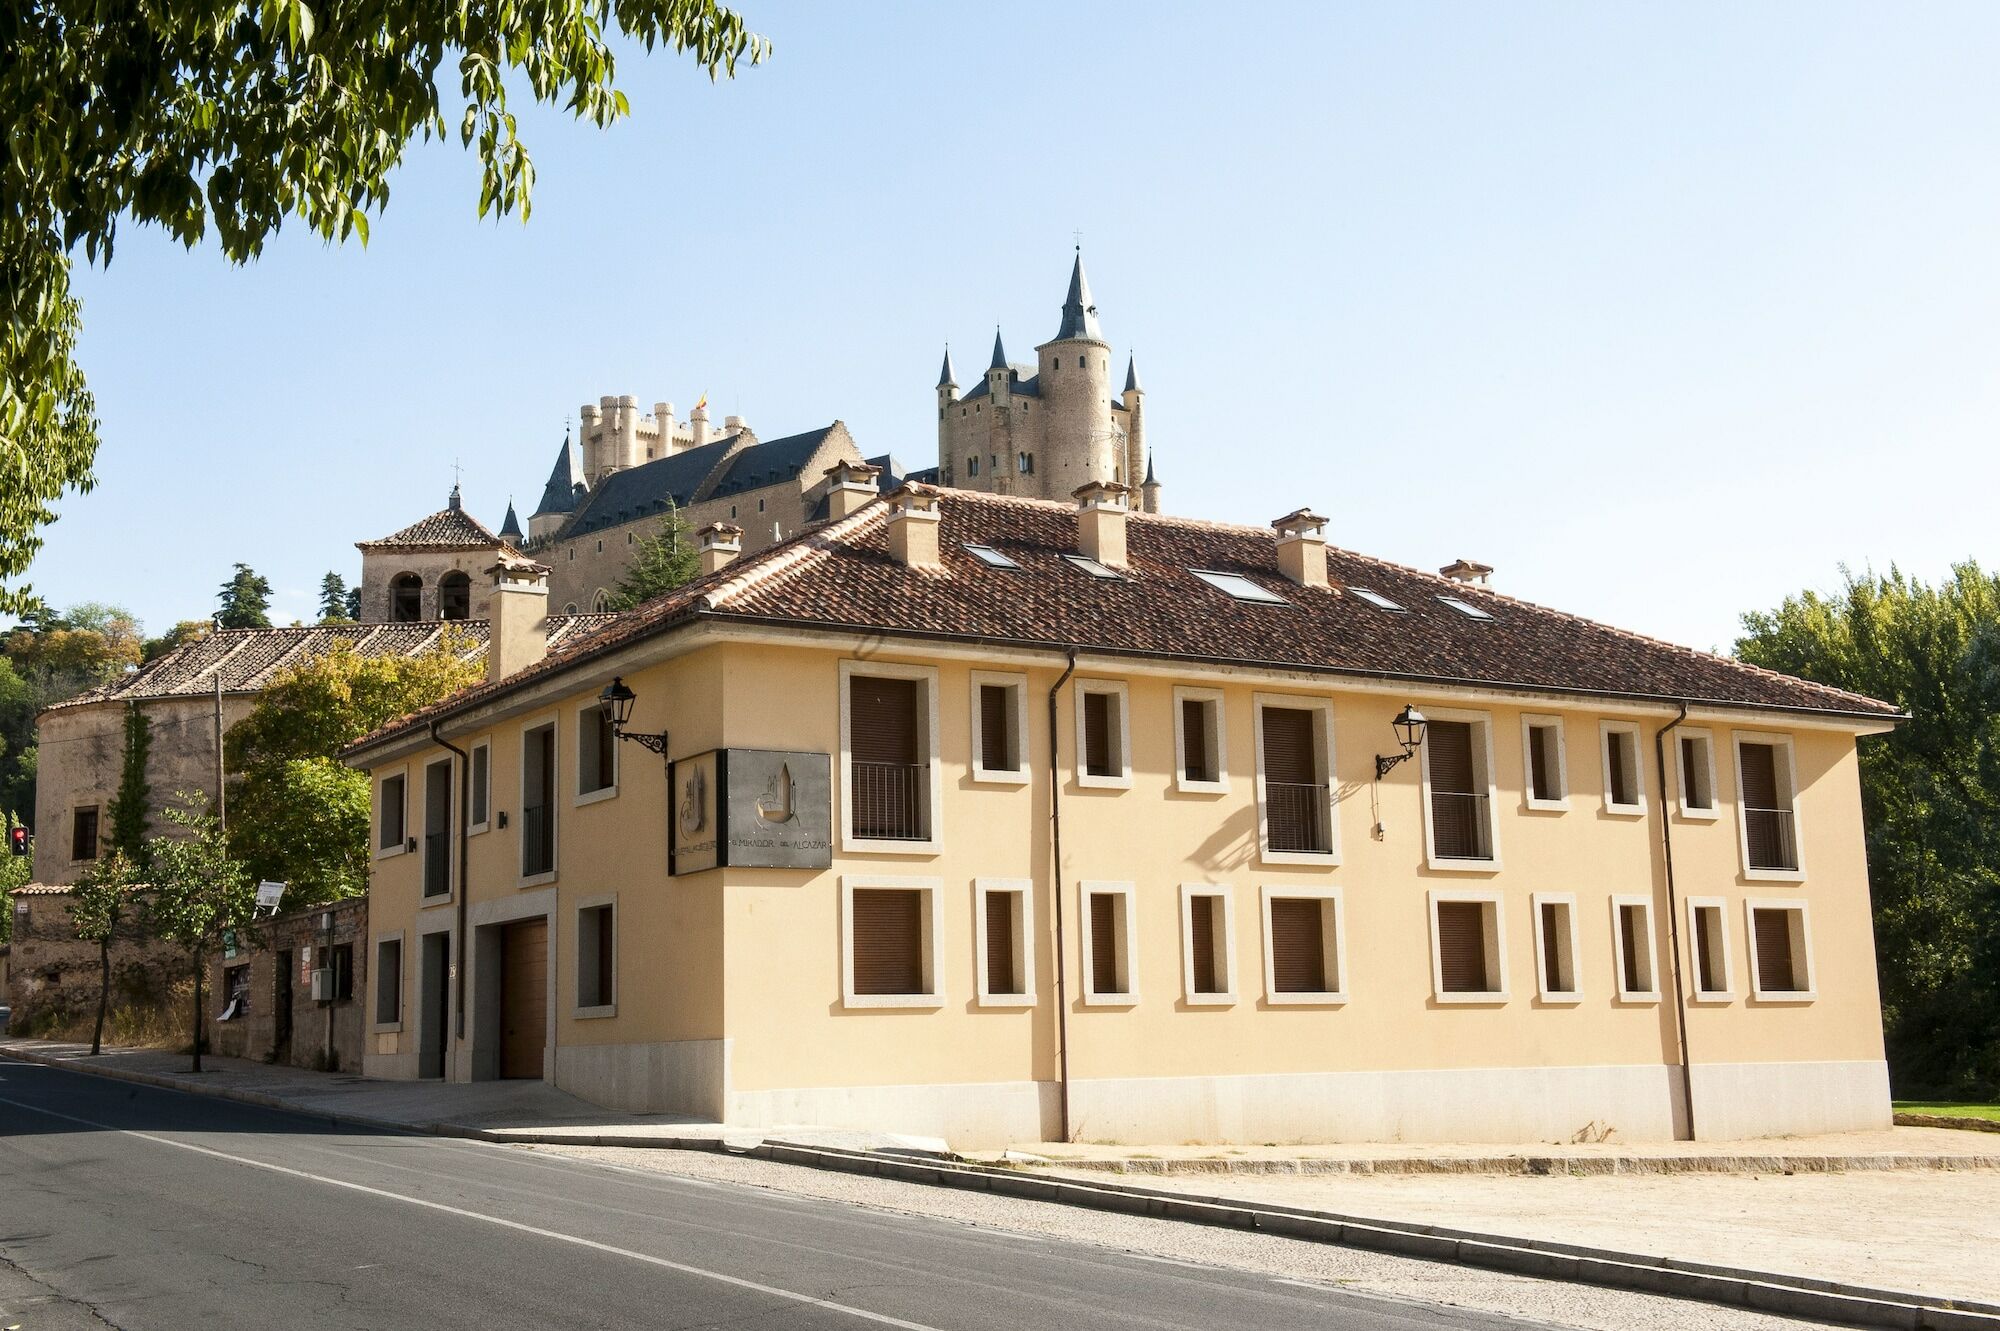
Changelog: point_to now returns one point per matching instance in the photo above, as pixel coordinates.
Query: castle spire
(1132, 377)
(511, 528)
(999, 352)
(1079, 315)
(947, 378)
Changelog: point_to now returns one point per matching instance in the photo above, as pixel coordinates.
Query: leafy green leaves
(662, 562)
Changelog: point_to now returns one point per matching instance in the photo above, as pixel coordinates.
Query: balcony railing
(1772, 844)
(437, 863)
(1460, 828)
(1295, 817)
(889, 800)
(538, 839)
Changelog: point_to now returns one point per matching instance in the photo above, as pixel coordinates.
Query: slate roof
(559, 495)
(246, 660)
(450, 528)
(643, 491)
(510, 526)
(1021, 382)
(841, 576)
(1079, 314)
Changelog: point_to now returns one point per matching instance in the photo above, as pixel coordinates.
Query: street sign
(269, 894)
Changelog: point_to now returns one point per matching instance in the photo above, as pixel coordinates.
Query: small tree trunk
(197, 1010)
(103, 992)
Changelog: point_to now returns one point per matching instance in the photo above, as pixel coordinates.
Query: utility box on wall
(762, 808)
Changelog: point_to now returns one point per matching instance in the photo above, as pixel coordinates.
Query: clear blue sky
(1665, 311)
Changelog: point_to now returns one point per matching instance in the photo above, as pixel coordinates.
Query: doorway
(524, 997)
(433, 1005)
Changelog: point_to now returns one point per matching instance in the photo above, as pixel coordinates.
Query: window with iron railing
(538, 801)
(437, 829)
(1770, 840)
(888, 781)
(1295, 783)
(1461, 819)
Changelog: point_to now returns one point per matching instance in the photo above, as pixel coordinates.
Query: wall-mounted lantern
(1409, 724)
(617, 701)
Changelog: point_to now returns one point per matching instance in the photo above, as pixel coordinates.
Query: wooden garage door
(524, 997)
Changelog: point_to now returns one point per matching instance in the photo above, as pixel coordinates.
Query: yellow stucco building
(1002, 819)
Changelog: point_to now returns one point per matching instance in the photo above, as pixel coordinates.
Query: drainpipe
(464, 877)
(1056, 898)
(1674, 919)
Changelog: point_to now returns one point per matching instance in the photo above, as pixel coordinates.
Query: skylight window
(1093, 568)
(1376, 599)
(1466, 608)
(990, 557)
(1238, 586)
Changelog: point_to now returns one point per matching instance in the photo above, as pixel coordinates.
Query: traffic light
(17, 840)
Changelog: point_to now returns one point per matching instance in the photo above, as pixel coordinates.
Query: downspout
(1056, 900)
(464, 878)
(1674, 919)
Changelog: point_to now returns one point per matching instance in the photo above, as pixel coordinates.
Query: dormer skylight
(1093, 568)
(990, 557)
(1238, 586)
(1376, 599)
(1466, 608)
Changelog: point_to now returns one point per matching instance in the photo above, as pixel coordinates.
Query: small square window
(1094, 569)
(1555, 948)
(890, 942)
(1708, 933)
(83, 834)
(1545, 762)
(1694, 762)
(1303, 948)
(1238, 586)
(1103, 740)
(990, 557)
(1198, 741)
(1208, 945)
(1780, 952)
(1109, 944)
(1003, 920)
(1624, 779)
(1632, 935)
(1379, 601)
(999, 728)
(1468, 947)
(1466, 608)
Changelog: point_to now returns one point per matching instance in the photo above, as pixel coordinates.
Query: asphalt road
(137, 1208)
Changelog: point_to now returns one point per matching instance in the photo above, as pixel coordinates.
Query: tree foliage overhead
(129, 820)
(1931, 798)
(228, 117)
(198, 891)
(244, 601)
(48, 658)
(663, 561)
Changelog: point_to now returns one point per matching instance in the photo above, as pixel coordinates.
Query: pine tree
(354, 603)
(333, 597)
(246, 600)
(663, 562)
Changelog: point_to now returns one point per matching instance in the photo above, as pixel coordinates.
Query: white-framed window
(1544, 763)
(891, 938)
(1296, 821)
(891, 789)
(538, 802)
(1557, 973)
(596, 755)
(1781, 962)
(392, 812)
(999, 727)
(481, 763)
(1632, 949)
(1003, 928)
(1459, 791)
(597, 957)
(1468, 946)
(1201, 762)
(1305, 945)
(1767, 824)
(1208, 944)
(1708, 946)
(1694, 773)
(1110, 943)
(437, 846)
(1103, 734)
(1624, 773)
(387, 979)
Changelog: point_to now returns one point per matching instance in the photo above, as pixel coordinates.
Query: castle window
(972, 465)
(963, 412)
(1026, 464)
(455, 596)
(600, 546)
(406, 598)
(1079, 363)
(760, 506)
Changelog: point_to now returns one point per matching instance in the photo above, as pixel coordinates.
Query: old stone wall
(380, 567)
(277, 1020)
(53, 976)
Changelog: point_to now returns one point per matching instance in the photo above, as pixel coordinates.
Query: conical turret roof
(947, 377)
(1132, 374)
(559, 495)
(1079, 315)
(999, 352)
(511, 527)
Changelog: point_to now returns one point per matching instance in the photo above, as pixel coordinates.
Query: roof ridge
(792, 555)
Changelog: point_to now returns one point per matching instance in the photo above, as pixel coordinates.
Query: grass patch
(1947, 1109)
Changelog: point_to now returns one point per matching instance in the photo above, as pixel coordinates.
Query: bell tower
(1080, 444)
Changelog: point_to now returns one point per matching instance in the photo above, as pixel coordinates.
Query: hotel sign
(759, 808)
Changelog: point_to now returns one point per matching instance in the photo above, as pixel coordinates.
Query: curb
(1542, 1166)
(1946, 1121)
(1794, 1296)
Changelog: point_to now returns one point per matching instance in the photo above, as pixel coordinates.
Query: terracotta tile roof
(40, 890)
(449, 528)
(246, 660)
(841, 576)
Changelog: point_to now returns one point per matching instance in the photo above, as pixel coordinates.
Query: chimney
(517, 630)
(1469, 572)
(1302, 547)
(720, 543)
(849, 485)
(913, 526)
(1100, 521)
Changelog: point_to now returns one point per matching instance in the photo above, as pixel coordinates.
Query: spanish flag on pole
(701, 405)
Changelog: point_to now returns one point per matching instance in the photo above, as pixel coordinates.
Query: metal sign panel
(759, 808)
(693, 837)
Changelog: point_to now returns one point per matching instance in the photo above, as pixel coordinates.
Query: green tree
(1930, 796)
(97, 906)
(237, 116)
(333, 599)
(180, 635)
(128, 806)
(45, 660)
(663, 561)
(296, 815)
(199, 892)
(354, 603)
(245, 600)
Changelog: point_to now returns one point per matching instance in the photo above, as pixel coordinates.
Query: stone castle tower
(1042, 430)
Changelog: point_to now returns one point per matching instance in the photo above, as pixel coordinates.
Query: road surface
(136, 1208)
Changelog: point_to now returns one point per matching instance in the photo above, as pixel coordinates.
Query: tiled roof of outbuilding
(447, 529)
(841, 576)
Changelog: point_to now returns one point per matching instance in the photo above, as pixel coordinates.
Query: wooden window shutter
(996, 736)
(1104, 944)
(888, 941)
(1541, 761)
(1707, 966)
(1760, 776)
(1098, 759)
(1201, 942)
(1458, 814)
(607, 948)
(1633, 939)
(1775, 970)
(1552, 942)
(1449, 744)
(1693, 773)
(1461, 927)
(1288, 746)
(1298, 945)
(1195, 758)
(882, 720)
(1002, 967)
(1618, 753)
